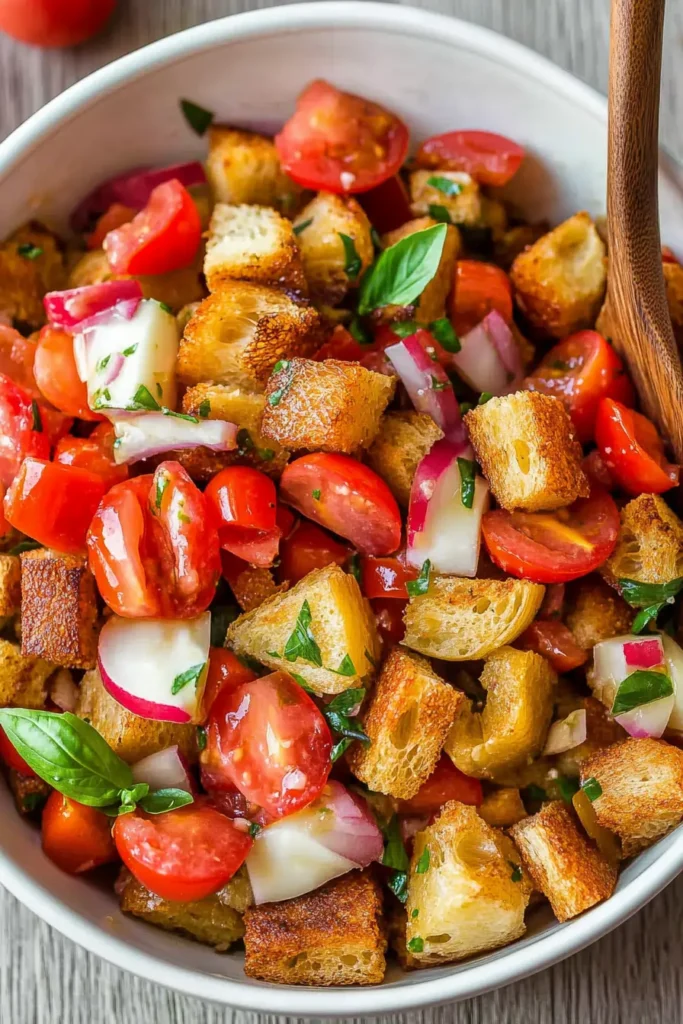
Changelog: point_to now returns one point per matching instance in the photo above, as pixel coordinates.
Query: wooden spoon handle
(636, 294)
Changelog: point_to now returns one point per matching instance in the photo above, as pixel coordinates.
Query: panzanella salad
(339, 576)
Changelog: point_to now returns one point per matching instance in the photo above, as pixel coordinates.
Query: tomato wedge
(345, 496)
(580, 371)
(340, 142)
(10, 756)
(57, 376)
(341, 345)
(17, 354)
(489, 158)
(307, 548)
(553, 547)
(94, 453)
(386, 577)
(244, 502)
(388, 612)
(22, 431)
(116, 216)
(387, 205)
(445, 783)
(182, 855)
(556, 643)
(163, 236)
(267, 738)
(76, 838)
(632, 450)
(479, 288)
(225, 670)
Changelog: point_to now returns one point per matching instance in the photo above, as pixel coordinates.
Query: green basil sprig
(649, 597)
(402, 272)
(340, 720)
(641, 687)
(302, 644)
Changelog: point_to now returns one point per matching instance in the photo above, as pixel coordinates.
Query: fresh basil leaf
(467, 479)
(24, 545)
(340, 748)
(349, 728)
(29, 251)
(404, 328)
(445, 334)
(198, 118)
(402, 272)
(395, 855)
(440, 213)
(221, 617)
(346, 667)
(204, 408)
(353, 264)
(302, 643)
(398, 883)
(298, 228)
(641, 687)
(422, 865)
(37, 423)
(445, 185)
(68, 754)
(592, 788)
(644, 617)
(163, 800)
(254, 829)
(130, 797)
(642, 595)
(421, 584)
(144, 399)
(344, 703)
(190, 675)
(416, 944)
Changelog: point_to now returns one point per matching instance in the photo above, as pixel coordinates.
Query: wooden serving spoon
(636, 309)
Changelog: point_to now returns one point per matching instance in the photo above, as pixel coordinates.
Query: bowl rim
(478, 978)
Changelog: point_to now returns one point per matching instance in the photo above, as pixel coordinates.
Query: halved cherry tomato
(555, 642)
(554, 547)
(479, 288)
(268, 738)
(341, 345)
(115, 217)
(153, 546)
(490, 159)
(225, 670)
(182, 855)
(54, 504)
(387, 205)
(17, 354)
(95, 453)
(632, 450)
(53, 22)
(163, 236)
(580, 371)
(340, 142)
(76, 838)
(285, 520)
(345, 496)
(388, 612)
(57, 376)
(386, 577)
(307, 548)
(244, 502)
(12, 758)
(21, 429)
(445, 783)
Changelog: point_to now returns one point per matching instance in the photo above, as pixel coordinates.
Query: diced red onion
(610, 667)
(133, 189)
(354, 832)
(645, 653)
(63, 690)
(70, 308)
(410, 825)
(504, 341)
(566, 734)
(435, 462)
(165, 769)
(486, 360)
(647, 720)
(428, 384)
(150, 433)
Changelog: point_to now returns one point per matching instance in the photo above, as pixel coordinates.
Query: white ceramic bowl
(437, 73)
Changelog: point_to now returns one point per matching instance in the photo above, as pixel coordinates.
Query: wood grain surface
(633, 975)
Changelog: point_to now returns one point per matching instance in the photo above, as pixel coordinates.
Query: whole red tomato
(54, 22)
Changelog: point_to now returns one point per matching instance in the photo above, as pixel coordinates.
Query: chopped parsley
(103, 363)
(439, 385)
(339, 717)
(190, 675)
(163, 480)
(131, 350)
(398, 883)
(404, 328)
(204, 408)
(566, 787)
(353, 567)
(421, 584)
(166, 308)
(394, 855)
(29, 251)
(302, 643)
(352, 261)
(316, 494)
(198, 118)
(416, 945)
(298, 228)
(467, 481)
(445, 185)
(415, 913)
(516, 875)
(254, 829)
(422, 865)
(592, 788)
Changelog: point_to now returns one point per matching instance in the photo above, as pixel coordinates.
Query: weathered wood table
(634, 975)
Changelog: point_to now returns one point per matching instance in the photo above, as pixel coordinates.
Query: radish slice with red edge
(165, 769)
(133, 189)
(156, 668)
(615, 662)
(647, 720)
(150, 433)
(489, 358)
(69, 308)
(427, 383)
(566, 734)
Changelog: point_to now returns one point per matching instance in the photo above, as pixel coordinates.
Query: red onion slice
(352, 832)
(133, 189)
(489, 358)
(647, 720)
(165, 769)
(150, 433)
(427, 383)
(70, 308)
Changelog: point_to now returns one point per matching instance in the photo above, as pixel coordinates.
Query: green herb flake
(339, 717)
(566, 787)
(402, 272)
(445, 185)
(353, 566)
(516, 875)
(300, 680)
(298, 228)
(346, 668)
(421, 584)
(190, 675)
(467, 480)
(204, 408)
(398, 883)
(445, 334)
(36, 421)
(302, 643)
(422, 865)
(559, 364)
(29, 251)
(641, 687)
(592, 788)
(404, 328)
(376, 240)
(201, 737)
(357, 331)
(103, 363)
(198, 118)
(24, 545)
(162, 482)
(352, 261)
(179, 415)
(131, 350)
(465, 407)
(394, 855)
(440, 213)
(416, 945)
(316, 493)
(340, 748)
(484, 397)
(415, 913)
(439, 385)
(144, 399)
(254, 829)
(281, 364)
(165, 306)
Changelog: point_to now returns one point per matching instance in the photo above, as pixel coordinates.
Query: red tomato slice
(17, 354)
(53, 23)
(445, 783)
(387, 205)
(163, 236)
(268, 738)
(153, 546)
(225, 671)
(345, 496)
(94, 453)
(556, 643)
(341, 345)
(57, 376)
(76, 838)
(54, 504)
(491, 159)
(307, 548)
(553, 547)
(115, 217)
(340, 142)
(388, 612)
(244, 501)
(479, 288)
(182, 855)
(580, 371)
(10, 757)
(386, 577)
(21, 429)
(632, 450)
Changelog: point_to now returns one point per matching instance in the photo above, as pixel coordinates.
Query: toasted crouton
(29, 792)
(526, 445)
(502, 807)
(59, 617)
(513, 725)
(238, 334)
(31, 264)
(462, 620)
(326, 606)
(642, 790)
(559, 281)
(215, 921)
(432, 304)
(407, 720)
(454, 192)
(467, 886)
(561, 860)
(22, 679)
(403, 440)
(243, 167)
(251, 586)
(673, 279)
(513, 241)
(130, 736)
(650, 544)
(331, 936)
(596, 612)
(10, 585)
(252, 243)
(328, 406)
(321, 227)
